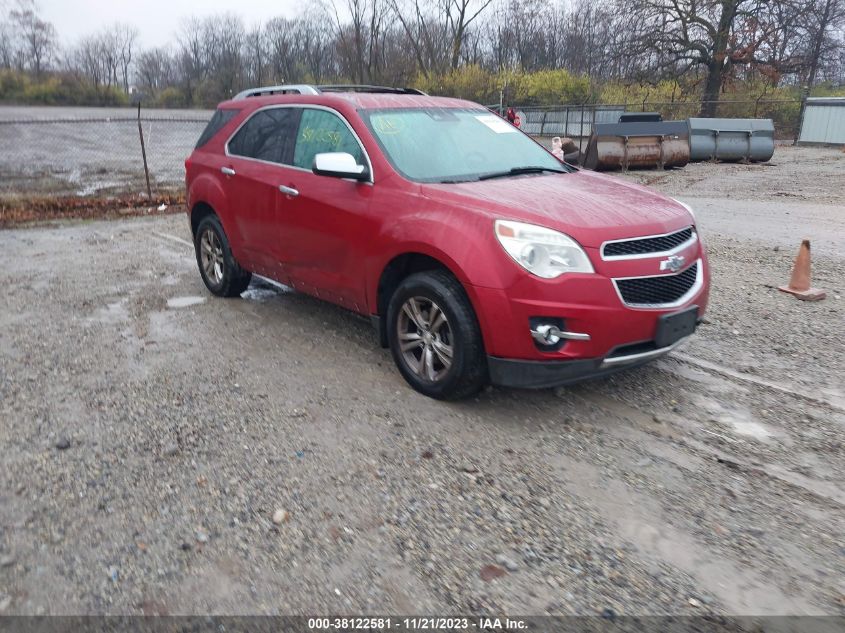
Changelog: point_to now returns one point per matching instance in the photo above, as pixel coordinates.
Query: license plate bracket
(673, 327)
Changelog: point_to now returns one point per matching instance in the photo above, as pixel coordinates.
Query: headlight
(541, 251)
(687, 207)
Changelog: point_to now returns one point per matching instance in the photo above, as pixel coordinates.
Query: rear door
(326, 225)
(256, 157)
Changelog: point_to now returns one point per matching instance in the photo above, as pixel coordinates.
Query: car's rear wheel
(221, 273)
(434, 336)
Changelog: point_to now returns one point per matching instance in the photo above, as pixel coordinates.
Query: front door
(327, 223)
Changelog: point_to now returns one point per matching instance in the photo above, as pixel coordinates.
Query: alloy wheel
(425, 338)
(211, 255)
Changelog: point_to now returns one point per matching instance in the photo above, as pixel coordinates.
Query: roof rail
(288, 89)
(307, 89)
(366, 88)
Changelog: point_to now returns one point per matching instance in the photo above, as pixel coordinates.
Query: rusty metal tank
(637, 145)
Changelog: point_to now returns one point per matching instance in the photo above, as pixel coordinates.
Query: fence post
(581, 134)
(144, 154)
(804, 94)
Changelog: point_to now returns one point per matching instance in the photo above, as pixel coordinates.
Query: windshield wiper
(455, 181)
(517, 171)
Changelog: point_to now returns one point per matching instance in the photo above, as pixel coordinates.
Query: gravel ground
(168, 452)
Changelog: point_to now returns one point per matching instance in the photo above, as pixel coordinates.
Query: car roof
(358, 101)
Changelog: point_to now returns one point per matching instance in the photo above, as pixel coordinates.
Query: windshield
(456, 145)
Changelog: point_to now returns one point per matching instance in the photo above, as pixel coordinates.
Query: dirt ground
(151, 433)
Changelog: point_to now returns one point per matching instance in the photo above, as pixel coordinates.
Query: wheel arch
(398, 268)
(199, 211)
(207, 193)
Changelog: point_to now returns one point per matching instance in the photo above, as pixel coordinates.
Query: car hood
(590, 207)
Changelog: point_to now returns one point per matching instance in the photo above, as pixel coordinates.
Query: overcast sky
(157, 20)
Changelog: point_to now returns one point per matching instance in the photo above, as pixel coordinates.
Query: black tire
(233, 279)
(467, 372)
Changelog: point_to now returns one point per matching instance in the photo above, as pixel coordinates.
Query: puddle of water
(112, 313)
(739, 419)
(751, 429)
(259, 294)
(263, 289)
(713, 383)
(184, 302)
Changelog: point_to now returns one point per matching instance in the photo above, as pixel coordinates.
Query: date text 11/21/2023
(419, 623)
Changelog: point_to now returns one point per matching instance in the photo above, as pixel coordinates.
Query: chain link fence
(95, 156)
(101, 156)
(577, 120)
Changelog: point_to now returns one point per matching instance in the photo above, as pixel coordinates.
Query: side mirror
(339, 165)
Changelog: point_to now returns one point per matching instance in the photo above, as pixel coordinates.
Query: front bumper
(616, 335)
(532, 374)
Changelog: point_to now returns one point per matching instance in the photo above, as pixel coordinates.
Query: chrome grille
(655, 291)
(647, 245)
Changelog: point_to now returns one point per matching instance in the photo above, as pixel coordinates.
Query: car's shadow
(647, 382)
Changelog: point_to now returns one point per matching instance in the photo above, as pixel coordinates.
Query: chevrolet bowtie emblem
(673, 263)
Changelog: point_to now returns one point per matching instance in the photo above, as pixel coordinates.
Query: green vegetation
(472, 82)
(55, 89)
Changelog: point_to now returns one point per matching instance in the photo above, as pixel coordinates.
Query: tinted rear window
(218, 121)
(268, 135)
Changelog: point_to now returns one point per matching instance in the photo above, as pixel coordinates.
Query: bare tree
(155, 70)
(283, 49)
(714, 35)
(361, 31)
(315, 39)
(714, 44)
(7, 49)
(87, 60)
(823, 19)
(224, 37)
(421, 33)
(255, 55)
(125, 37)
(38, 37)
(192, 60)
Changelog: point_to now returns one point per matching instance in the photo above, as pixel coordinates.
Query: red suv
(477, 255)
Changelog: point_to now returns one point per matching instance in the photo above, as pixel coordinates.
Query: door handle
(288, 191)
(228, 171)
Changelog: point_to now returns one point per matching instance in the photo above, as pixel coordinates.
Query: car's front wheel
(220, 271)
(435, 338)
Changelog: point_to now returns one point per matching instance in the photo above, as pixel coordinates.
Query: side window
(322, 131)
(269, 135)
(217, 122)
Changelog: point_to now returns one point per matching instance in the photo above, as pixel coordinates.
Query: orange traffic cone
(799, 284)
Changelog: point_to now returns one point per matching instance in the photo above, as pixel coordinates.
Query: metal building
(823, 122)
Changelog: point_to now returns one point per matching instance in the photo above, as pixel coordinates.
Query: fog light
(549, 334)
(546, 332)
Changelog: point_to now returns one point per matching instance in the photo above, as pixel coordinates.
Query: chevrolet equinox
(478, 256)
